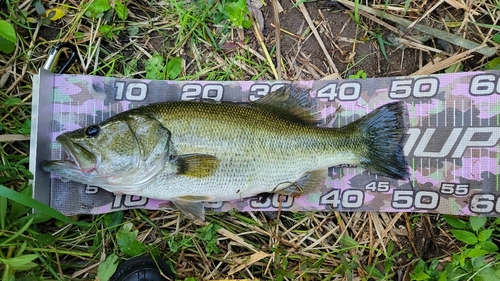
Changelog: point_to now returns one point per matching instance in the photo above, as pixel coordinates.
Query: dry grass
(276, 246)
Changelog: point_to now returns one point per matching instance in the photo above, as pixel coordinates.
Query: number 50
(422, 199)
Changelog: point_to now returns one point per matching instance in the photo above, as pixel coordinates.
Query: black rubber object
(143, 268)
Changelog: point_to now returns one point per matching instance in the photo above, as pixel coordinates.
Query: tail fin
(384, 131)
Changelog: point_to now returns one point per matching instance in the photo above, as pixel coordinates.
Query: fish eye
(92, 131)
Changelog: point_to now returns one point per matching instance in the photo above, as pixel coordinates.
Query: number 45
(378, 186)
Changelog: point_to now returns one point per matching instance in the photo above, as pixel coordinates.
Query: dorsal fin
(291, 102)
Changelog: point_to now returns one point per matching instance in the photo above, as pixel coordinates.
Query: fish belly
(231, 181)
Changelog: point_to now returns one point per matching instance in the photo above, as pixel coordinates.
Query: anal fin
(308, 183)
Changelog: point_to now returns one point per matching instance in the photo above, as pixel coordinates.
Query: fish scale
(274, 151)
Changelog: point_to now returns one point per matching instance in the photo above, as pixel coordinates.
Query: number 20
(209, 91)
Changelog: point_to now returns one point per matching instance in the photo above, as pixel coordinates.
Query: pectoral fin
(308, 183)
(192, 206)
(196, 165)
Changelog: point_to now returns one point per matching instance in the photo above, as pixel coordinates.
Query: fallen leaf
(54, 14)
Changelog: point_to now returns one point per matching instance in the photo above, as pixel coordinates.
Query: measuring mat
(452, 144)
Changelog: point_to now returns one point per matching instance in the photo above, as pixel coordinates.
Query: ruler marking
(421, 114)
(496, 168)
(471, 112)
(462, 173)
(481, 160)
(463, 113)
(429, 116)
(437, 168)
(429, 165)
(61, 122)
(413, 167)
(78, 114)
(445, 171)
(471, 161)
(445, 116)
(338, 118)
(77, 120)
(489, 119)
(412, 113)
(454, 113)
(437, 115)
(454, 171)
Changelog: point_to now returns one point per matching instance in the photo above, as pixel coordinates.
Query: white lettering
(467, 141)
(448, 145)
(483, 85)
(419, 141)
(413, 133)
(136, 91)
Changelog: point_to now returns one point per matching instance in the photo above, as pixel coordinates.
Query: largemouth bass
(189, 152)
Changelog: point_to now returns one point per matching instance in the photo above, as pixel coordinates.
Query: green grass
(193, 41)
(478, 259)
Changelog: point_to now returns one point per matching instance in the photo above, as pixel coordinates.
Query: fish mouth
(82, 158)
